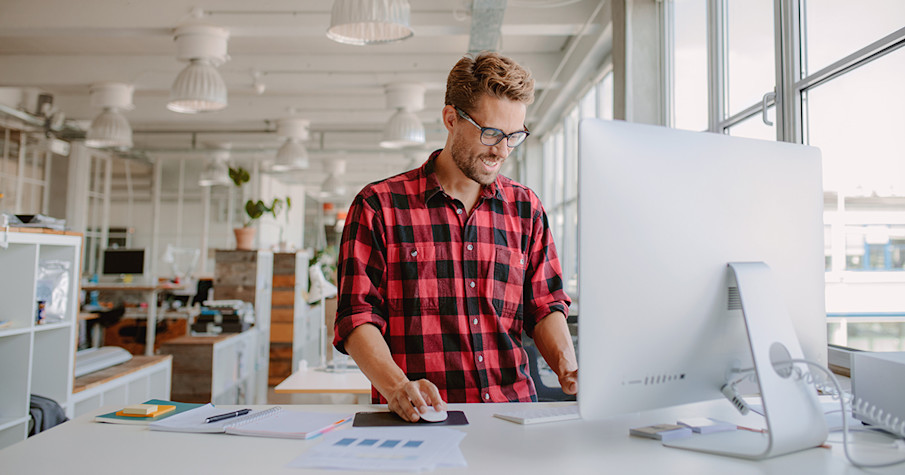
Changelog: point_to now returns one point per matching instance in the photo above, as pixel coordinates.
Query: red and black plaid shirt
(451, 293)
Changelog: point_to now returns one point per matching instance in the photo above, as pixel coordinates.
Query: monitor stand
(793, 414)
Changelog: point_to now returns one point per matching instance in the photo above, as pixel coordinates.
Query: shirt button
(480, 358)
(475, 321)
(414, 253)
(470, 247)
(471, 284)
(459, 211)
(521, 261)
(486, 396)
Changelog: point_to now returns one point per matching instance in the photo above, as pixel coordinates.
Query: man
(442, 267)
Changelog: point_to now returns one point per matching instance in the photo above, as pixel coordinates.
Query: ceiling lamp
(369, 22)
(404, 128)
(110, 129)
(333, 186)
(199, 87)
(216, 171)
(292, 155)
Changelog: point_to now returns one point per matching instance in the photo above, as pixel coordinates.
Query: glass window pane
(754, 127)
(862, 23)
(588, 104)
(750, 50)
(605, 97)
(690, 53)
(856, 121)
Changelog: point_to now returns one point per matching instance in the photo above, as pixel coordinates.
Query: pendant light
(199, 87)
(110, 129)
(369, 22)
(292, 155)
(404, 129)
(216, 171)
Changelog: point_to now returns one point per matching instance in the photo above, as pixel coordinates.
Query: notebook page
(289, 424)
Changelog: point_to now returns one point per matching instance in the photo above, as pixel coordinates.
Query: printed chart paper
(399, 449)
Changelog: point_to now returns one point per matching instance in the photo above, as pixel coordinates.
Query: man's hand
(569, 382)
(404, 399)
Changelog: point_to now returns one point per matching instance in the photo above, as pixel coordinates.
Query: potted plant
(254, 209)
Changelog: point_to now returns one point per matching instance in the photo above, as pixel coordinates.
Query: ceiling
(61, 47)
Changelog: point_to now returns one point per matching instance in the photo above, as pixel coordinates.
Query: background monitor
(124, 261)
(660, 214)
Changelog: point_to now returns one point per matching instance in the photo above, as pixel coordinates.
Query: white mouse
(433, 415)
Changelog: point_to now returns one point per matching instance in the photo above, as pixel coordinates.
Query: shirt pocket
(412, 280)
(507, 277)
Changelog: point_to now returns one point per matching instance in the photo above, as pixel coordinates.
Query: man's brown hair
(488, 73)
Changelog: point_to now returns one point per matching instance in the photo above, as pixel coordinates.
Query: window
(559, 179)
(840, 83)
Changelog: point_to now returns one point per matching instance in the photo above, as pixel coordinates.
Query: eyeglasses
(491, 136)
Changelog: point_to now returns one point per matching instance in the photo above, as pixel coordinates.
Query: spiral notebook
(273, 422)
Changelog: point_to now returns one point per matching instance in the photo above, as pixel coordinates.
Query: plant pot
(245, 238)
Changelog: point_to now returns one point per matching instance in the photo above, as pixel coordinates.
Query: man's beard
(472, 166)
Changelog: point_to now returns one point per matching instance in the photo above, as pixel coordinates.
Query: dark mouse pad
(380, 419)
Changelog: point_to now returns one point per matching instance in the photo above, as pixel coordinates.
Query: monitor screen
(124, 261)
(661, 212)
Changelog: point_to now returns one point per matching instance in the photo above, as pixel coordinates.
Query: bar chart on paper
(390, 449)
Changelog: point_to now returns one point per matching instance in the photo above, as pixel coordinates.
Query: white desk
(317, 381)
(150, 292)
(492, 446)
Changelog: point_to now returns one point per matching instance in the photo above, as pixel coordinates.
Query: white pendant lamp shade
(109, 130)
(291, 156)
(367, 22)
(216, 171)
(198, 88)
(403, 130)
(332, 186)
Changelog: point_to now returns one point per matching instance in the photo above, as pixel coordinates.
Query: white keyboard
(539, 415)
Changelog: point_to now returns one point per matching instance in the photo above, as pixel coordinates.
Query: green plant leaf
(239, 176)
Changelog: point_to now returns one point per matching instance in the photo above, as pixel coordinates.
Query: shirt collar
(430, 184)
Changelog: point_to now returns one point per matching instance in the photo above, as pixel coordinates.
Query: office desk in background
(492, 446)
(150, 293)
(318, 381)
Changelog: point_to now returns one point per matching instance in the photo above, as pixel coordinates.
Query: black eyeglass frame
(499, 133)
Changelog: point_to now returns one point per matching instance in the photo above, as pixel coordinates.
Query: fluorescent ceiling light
(367, 22)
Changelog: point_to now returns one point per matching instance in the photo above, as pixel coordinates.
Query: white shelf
(6, 423)
(34, 359)
(52, 326)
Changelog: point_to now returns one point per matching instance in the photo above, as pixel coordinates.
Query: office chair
(544, 393)
(204, 287)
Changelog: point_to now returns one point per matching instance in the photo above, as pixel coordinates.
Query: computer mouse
(433, 415)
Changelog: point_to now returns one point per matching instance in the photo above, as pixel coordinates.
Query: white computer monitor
(661, 212)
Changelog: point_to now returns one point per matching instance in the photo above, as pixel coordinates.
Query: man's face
(477, 161)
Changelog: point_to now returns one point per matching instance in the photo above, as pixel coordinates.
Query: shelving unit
(132, 382)
(34, 358)
(219, 369)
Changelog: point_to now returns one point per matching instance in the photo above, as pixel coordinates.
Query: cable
(838, 387)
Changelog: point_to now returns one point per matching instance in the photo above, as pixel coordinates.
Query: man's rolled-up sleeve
(543, 293)
(361, 271)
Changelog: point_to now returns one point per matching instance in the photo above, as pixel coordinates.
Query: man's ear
(449, 116)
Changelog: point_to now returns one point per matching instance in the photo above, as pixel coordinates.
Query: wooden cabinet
(290, 283)
(35, 358)
(220, 369)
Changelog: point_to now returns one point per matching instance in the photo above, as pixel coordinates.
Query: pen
(228, 415)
